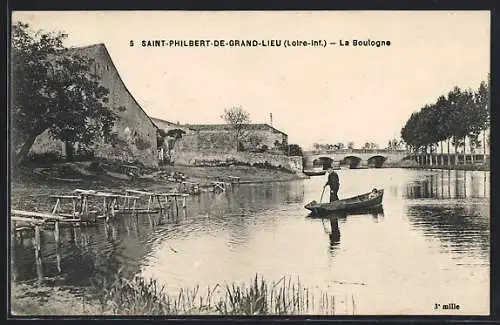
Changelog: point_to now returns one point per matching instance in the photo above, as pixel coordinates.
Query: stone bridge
(353, 158)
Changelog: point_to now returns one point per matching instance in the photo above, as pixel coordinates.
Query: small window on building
(107, 67)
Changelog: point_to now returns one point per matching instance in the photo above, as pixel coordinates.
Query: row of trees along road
(393, 144)
(54, 91)
(461, 115)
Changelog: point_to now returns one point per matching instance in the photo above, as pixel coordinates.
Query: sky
(315, 94)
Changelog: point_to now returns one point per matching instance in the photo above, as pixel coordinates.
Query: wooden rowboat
(368, 200)
(312, 172)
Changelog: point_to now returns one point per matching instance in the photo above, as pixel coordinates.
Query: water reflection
(450, 184)
(426, 236)
(333, 231)
(123, 243)
(460, 228)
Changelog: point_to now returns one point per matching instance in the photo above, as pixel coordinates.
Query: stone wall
(221, 139)
(136, 132)
(215, 141)
(202, 158)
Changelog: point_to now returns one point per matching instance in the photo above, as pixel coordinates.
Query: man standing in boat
(333, 183)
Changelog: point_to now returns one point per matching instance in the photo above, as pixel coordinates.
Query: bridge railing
(348, 151)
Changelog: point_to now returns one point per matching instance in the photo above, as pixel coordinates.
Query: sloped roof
(102, 46)
(226, 127)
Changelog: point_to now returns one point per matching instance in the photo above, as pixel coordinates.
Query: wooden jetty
(189, 186)
(155, 196)
(223, 183)
(37, 221)
(110, 203)
(80, 212)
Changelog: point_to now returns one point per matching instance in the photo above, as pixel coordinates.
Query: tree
(295, 150)
(350, 145)
(460, 115)
(394, 144)
(253, 142)
(54, 90)
(482, 100)
(239, 120)
(168, 139)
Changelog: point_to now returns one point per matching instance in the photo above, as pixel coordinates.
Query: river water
(430, 244)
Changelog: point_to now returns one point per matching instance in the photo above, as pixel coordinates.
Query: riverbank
(109, 174)
(32, 185)
(139, 296)
(33, 299)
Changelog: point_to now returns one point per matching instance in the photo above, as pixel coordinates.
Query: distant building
(167, 125)
(220, 137)
(136, 131)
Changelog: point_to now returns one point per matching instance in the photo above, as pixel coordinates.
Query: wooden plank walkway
(42, 216)
(80, 211)
(110, 202)
(152, 196)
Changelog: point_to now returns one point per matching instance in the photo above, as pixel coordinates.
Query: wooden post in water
(36, 241)
(56, 232)
(149, 202)
(55, 206)
(58, 259)
(39, 268)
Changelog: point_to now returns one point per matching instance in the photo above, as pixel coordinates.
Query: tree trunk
(448, 156)
(25, 149)
(441, 158)
(465, 147)
(456, 154)
(472, 149)
(484, 146)
(69, 151)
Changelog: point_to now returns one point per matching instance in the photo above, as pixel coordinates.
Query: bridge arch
(376, 161)
(325, 162)
(352, 161)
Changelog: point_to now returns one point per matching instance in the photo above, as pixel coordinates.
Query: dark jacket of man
(333, 181)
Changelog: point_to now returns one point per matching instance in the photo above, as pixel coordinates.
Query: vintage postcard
(250, 163)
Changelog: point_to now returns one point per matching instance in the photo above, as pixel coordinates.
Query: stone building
(220, 138)
(135, 129)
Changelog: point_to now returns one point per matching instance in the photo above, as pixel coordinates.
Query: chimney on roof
(271, 118)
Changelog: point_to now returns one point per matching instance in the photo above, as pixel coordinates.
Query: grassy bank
(32, 185)
(146, 297)
(113, 173)
(39, 300)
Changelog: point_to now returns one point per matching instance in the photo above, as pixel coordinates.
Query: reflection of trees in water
(86, 252)
(101, 250)
(465, 227)
(448, 184)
